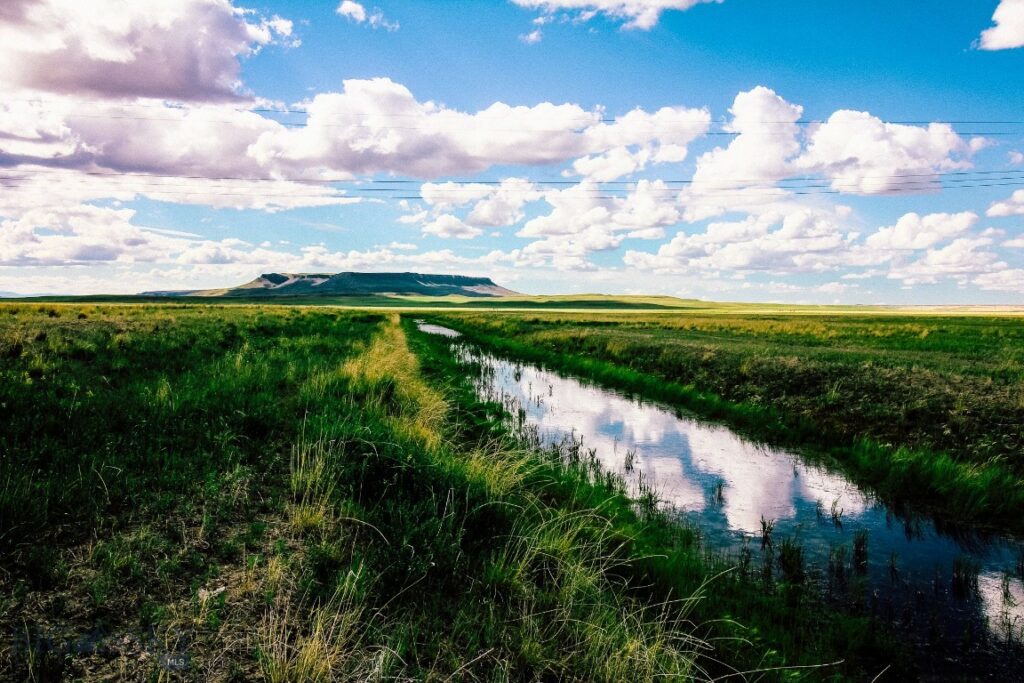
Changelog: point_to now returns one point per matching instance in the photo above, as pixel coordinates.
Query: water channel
(956, 595)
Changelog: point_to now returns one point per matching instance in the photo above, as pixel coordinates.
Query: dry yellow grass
(389, 371)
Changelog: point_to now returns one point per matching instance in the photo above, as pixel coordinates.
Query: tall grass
(144, 468)
(279, 494)
(554, 606)
(311, 485)
(316, 642)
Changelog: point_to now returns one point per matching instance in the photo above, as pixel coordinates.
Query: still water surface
(957, 594)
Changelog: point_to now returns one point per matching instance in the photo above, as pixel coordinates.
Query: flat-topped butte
(351, 283)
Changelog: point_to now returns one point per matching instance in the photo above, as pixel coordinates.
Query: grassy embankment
(272, 493)
(928, 410)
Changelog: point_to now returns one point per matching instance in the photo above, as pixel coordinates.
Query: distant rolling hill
(352, 284)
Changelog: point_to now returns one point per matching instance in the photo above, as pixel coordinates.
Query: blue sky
(868, 152)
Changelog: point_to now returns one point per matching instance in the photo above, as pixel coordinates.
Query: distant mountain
(349, 284)
(10, 295)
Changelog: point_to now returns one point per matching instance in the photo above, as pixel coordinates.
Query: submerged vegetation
(925, 409)
(294, 494)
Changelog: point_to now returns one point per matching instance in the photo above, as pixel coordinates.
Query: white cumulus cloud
(583, 219)
(448, 225)
(533, 37)
(961, 259)
(378, 125)
(637, 14)
(860, 153)
(1008, 31)
(357, 13)
(767, 137)
(626, 145)
(1012, 206)
(803, 240)
(1008, 280)
(913, 231)
(187, 50)
(504, 205)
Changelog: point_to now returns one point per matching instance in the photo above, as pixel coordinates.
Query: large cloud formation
(186, 50)
(861, 153)
(372, 126)
(378, 125)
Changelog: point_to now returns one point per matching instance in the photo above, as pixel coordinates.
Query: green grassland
(561, 302)
(288, 494)
(579, 302)
(927, 408)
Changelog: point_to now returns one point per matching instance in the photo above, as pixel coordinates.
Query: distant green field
(399, 301)
(566, 302)
(396, 301)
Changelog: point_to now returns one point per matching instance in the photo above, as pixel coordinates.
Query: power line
(455, 126)
(307, 112)
(369, 192)
(58, 171)
(771, 191)
(584, 122)
(734, 193)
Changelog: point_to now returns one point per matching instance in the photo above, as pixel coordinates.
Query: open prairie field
(291, 493)
(285, 494)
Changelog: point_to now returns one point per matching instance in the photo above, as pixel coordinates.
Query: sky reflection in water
(688, 462)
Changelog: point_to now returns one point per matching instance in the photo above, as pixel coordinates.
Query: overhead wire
(584, 121)
(948, 176)
(305, 111)
(462, 127)
(770, 191)
(388, 188)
